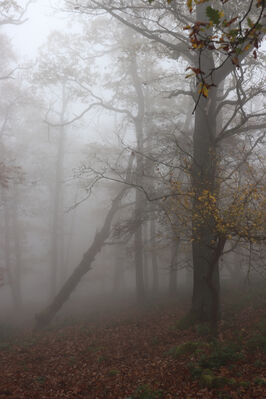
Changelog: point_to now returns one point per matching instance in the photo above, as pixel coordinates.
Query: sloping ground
(139, 356)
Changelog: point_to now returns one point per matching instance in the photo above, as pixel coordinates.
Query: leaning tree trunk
(47, 314)
(206, 288)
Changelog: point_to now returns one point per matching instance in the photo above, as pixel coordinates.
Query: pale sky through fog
(42, 18)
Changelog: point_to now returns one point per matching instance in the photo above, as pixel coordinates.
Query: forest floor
(130, 354)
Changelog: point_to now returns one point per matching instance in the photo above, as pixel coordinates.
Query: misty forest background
(112, 164)
(132, 199)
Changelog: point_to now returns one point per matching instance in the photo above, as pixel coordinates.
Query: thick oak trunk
(206, 284)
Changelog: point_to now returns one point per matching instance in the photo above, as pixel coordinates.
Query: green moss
(183, 349)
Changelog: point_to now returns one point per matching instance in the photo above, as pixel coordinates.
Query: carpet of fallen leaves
(110, 357)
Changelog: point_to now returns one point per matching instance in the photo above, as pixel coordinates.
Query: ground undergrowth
(139, 355)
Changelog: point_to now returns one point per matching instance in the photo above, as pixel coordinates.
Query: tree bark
(138, 249)
(173, 270)
(154, 260)
(7, 251)
(206, 277)
(57, 236)
(17, 246)
(139, 205)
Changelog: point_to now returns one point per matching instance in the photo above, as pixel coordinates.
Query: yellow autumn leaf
(205, 91)
(189, 75)
(189, 5)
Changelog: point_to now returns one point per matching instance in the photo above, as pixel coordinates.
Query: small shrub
(257, 342)
(212, 381)
(114, 372)
(102, 358)
(145, 392)
(195, 371)
(260, 381)
(206, 380)
(185, 323)
(202, 329)
(92, 349)
(244, 384)
(222, 355)
(41, 379)
(155, 341)
(260, 364)
(72, 360)
(224, 395)
(183, 349)
(262, 326)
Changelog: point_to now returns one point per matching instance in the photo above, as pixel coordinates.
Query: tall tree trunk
(7, 250)
(154, 261)
(17, 245)
(173, 270)
(206, 288)
(140, 201)
(145, 257)
(119, 281)
(138, 249)
(57, 252)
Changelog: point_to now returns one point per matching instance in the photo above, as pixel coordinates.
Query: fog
(97, 125)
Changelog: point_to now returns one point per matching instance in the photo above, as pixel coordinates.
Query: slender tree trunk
(173, 270)
(145, 257)
(57, 252)
(154, 261)
(139, 205)
(17, 245)
(7, 251)
(119, 281)
(138, 249)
